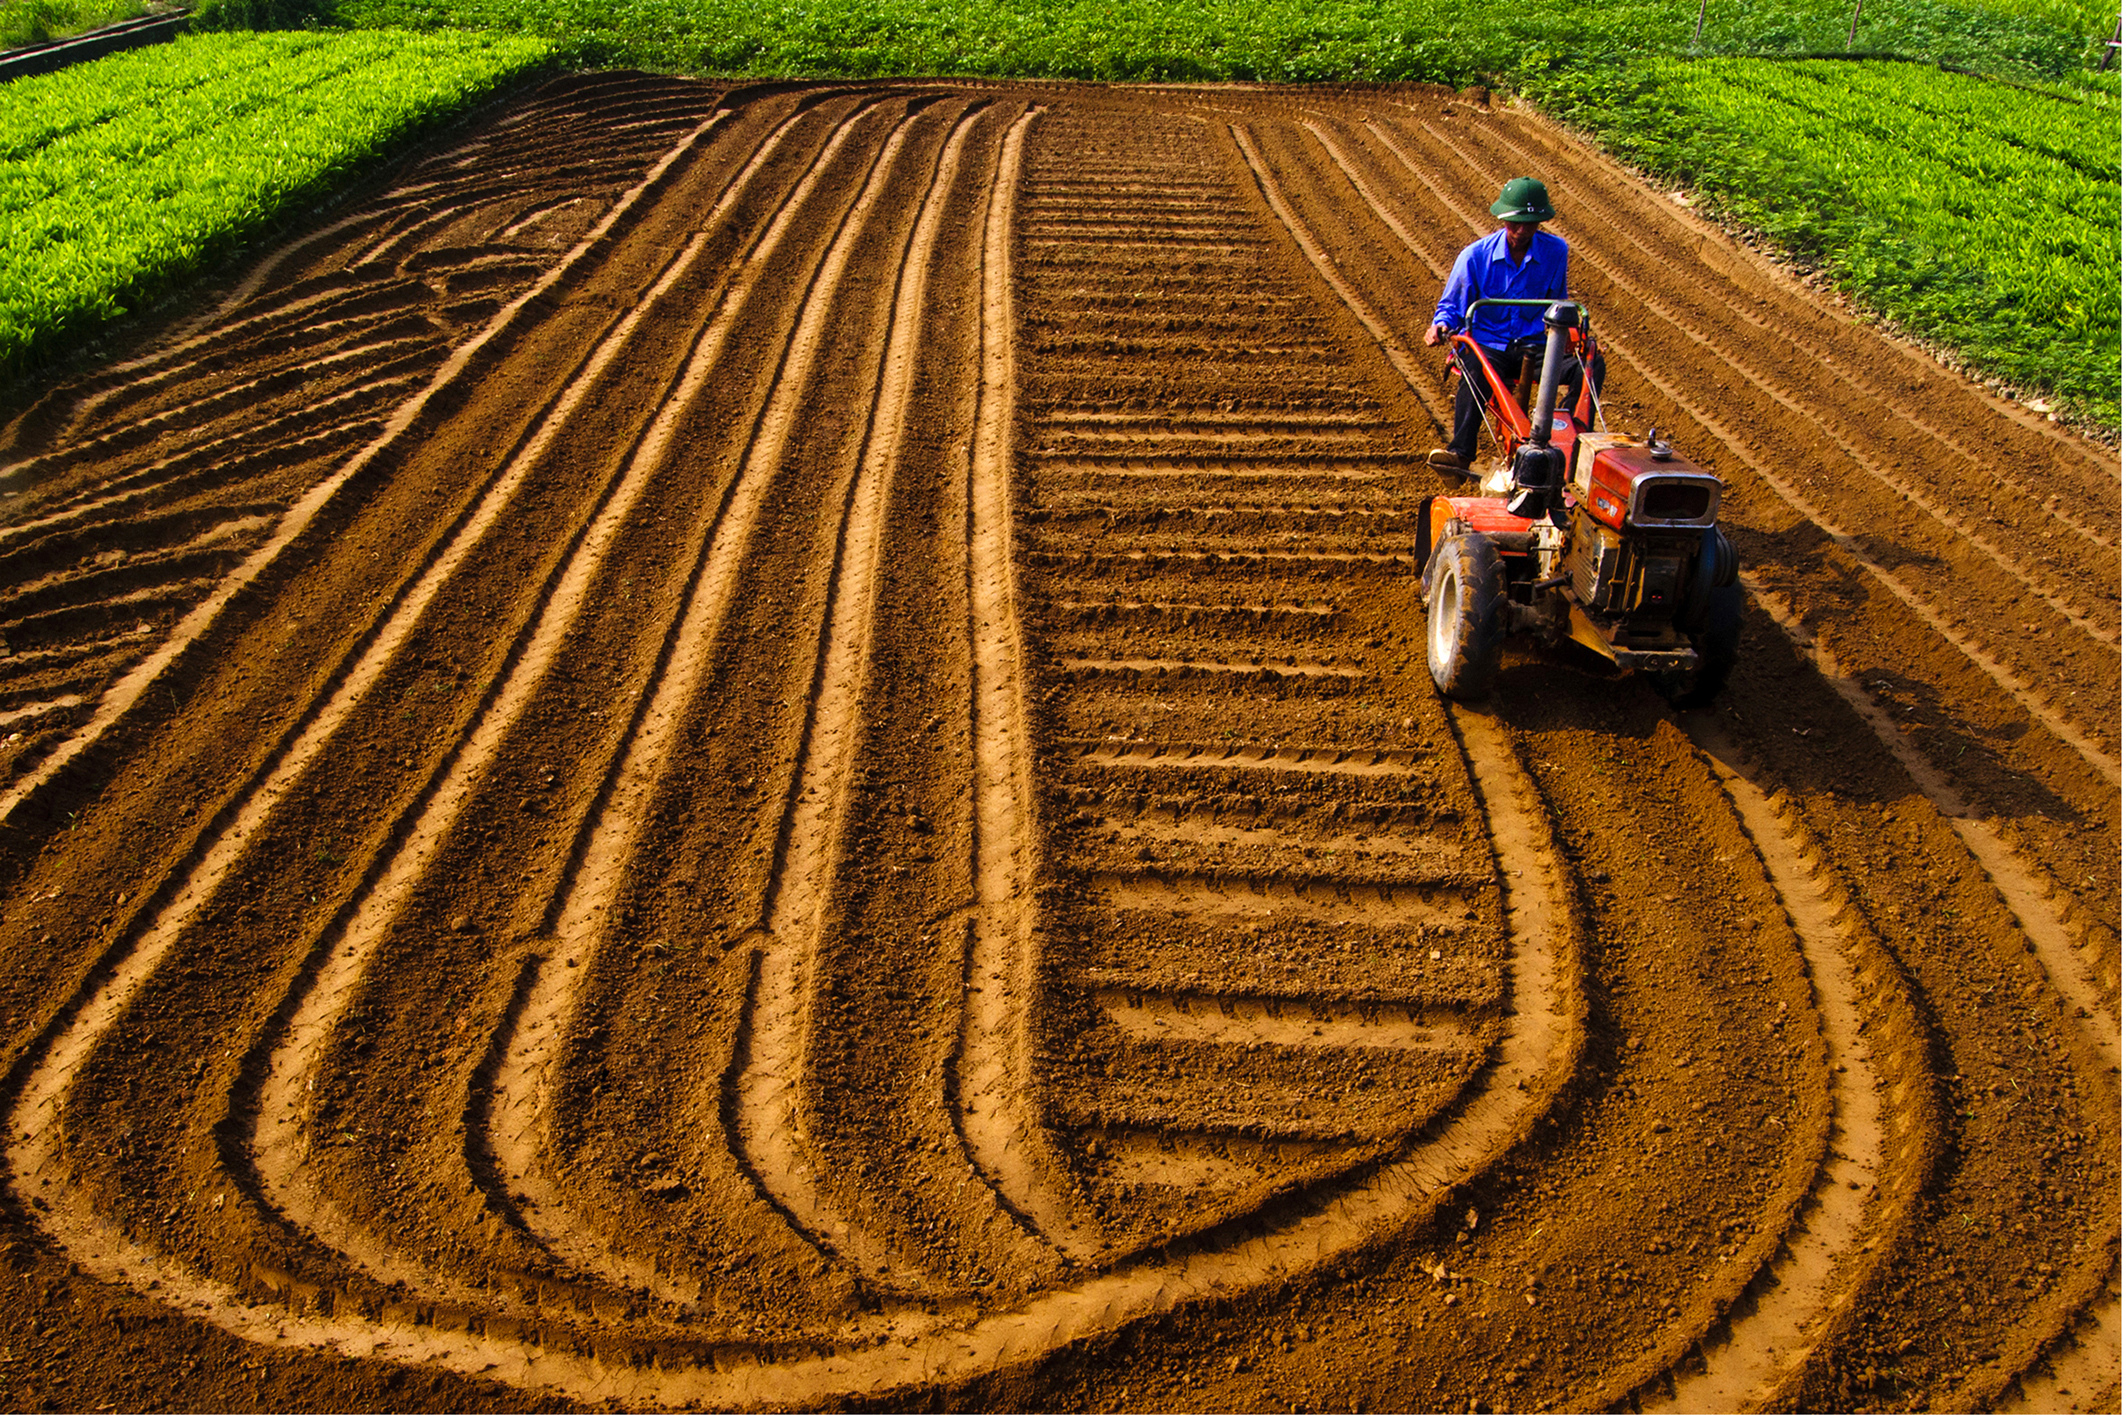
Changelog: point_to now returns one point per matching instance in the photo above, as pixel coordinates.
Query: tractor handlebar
(1475, 305)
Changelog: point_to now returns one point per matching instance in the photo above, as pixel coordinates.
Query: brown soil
(771, 748)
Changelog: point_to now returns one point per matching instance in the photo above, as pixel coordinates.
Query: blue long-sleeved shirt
(1483, 271)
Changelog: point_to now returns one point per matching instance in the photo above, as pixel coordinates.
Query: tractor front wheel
(1718, 645)
(1462, 617)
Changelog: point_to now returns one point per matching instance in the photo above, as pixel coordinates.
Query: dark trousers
(1469, 412)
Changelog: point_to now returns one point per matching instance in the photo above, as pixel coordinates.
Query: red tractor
(1577, 534)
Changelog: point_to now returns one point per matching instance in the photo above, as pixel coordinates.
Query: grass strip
(35, 21)
(121, 177)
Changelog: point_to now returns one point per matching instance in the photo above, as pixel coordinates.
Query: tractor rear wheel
(1462, 617)
(1718, 646)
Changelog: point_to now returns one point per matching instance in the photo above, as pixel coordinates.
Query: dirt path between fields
(771, 748)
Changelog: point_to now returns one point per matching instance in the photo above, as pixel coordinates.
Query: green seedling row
(120, 177)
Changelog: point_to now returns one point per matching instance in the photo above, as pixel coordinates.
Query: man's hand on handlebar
(1435, 336)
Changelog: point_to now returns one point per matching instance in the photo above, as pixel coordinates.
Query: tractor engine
(1644, 518)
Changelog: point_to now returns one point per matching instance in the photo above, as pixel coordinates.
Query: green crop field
(122, 176)
(1322, 41)
(1980, 215)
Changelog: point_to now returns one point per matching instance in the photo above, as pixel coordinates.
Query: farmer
(1519, 261)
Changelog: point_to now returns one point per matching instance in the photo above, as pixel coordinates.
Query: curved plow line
(406, 350)
(39, 1153)
(995, 1087)
(2061, 960)
(536, 215)
(134, 487)
(518, 1129)
(1390, 344)
(2004, 677)
(407, 238)
(1535, 1057)
(284, 321)
(390, 206)
(524, 309)
(236, 455)
(2106, 634)
(30, 711)
(1820, 1264)
(1981, 459)
(257, 276)
(768, 1089)
(186, 343)
(282, 1145)
(2103, 462)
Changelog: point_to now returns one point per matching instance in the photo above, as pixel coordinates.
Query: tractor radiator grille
(1596, 564)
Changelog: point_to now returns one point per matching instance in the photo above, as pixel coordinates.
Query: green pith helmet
(1524, 199)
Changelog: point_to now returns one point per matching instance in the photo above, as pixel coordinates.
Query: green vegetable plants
(120, 177)
(1983, 216)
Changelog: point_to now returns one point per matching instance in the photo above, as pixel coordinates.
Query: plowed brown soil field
(770, 747)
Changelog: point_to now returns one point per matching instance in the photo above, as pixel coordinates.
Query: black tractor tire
(1462, 616)
(1718, 646)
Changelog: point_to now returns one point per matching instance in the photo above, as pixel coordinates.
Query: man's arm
(1453, 305)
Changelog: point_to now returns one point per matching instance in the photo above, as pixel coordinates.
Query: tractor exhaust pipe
(1539, 468)
(1558, 319)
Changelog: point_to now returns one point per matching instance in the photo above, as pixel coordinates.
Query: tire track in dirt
(2072, 948)
(516, 1122)
(569, 108)
(2080, 1372)
(1398, 353)
(35, 1153)
(368, 343)
(1823, 1261)
(2079, 966)
(1205, 852)
(992, 1085)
